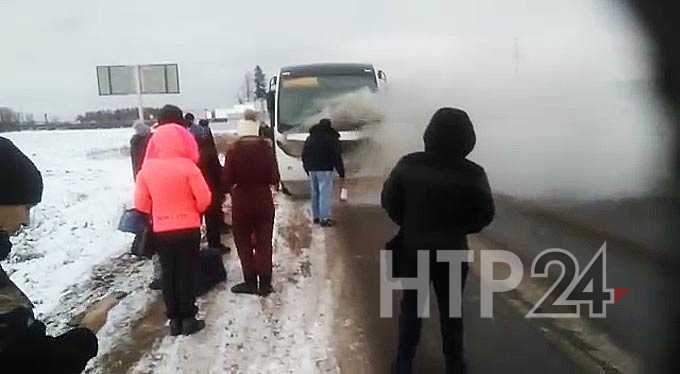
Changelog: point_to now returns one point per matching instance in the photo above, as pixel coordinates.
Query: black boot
(175, 327)
(223, 249)
(245, 287)
(155, 285)
(402, 366)
(455, 365)
(192, 326)
(265, 285)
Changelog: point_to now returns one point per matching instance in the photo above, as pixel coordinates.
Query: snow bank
(88, 180)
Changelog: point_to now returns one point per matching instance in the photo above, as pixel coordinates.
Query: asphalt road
(508, 343)
(645, 321)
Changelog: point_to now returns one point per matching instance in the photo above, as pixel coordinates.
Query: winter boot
(316, 221)
(327, 223)
(455, 365)
(245, 287)
(175, 327)
(265, 285)
(155, 285)
(402, 366)
(192, 326)
(223, 249)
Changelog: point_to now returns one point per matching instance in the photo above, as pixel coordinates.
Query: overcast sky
(50, 49)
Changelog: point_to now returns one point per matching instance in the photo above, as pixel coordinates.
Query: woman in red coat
(249, 173)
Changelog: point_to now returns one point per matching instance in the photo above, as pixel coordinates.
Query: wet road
(366, 342)
(651, 306)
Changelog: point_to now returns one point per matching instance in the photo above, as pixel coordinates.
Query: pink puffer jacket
(170, 186)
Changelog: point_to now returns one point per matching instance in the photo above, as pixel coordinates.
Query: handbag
(133, 221)
(143, 245)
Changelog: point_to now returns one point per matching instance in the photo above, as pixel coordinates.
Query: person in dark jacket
(322, 153)
(138, 144)
(24, 345)
(189, 120)
(437, 197)
(209, 164)
(250, 172)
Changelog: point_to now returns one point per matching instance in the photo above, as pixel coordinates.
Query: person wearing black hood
(322, 153)
(24, 345)
(437, 197)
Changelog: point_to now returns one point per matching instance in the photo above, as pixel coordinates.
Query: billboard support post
(153, 79)
(140, 106)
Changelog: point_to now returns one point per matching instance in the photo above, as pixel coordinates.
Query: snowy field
(88, 181)
(71, 257)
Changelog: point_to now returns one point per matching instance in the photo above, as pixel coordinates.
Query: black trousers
(214, 220)
(410, 324)
(178, 251)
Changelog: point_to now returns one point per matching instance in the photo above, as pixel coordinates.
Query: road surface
(506, 344)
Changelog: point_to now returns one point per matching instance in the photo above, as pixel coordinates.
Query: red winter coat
(249, 170)
(170, 186)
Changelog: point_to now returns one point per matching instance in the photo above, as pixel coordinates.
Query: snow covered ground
(88, 180)
(72, 256)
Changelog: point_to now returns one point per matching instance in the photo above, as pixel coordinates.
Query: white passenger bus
(301, 95)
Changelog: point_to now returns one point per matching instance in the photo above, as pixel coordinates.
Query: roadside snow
(72, 255)
(288, 332)
(87, 181)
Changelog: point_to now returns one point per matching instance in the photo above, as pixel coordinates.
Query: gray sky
(50, 49)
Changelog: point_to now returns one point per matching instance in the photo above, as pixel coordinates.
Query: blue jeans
(322, 192)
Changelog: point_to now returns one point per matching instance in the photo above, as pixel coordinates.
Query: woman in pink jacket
(171, 188)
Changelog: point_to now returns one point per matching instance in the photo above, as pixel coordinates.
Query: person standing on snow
(249, 173)
(437, 197)
(322, 153)
(209, 164)
(138, 144)
(171, 188)
(24, 345)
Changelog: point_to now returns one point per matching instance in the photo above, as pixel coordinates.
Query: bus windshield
(302, 99)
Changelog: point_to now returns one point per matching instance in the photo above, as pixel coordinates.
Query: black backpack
(210, 270)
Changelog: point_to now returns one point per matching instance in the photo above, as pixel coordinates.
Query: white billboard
(136, 79)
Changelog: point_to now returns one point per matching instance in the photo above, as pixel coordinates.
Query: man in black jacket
(437, 197)
(24, 344)
(321, 155)
(209, 164)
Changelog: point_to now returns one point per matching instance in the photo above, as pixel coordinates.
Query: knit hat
(247, 128)
(20, 181)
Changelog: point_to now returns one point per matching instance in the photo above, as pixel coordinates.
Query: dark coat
(25, 346)
(209, 162)
(437, 197)
(16, 313)
(322, 150)
(138, 145)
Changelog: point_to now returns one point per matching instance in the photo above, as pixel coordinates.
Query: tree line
(124, 116)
